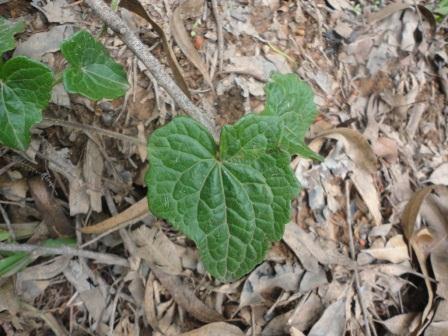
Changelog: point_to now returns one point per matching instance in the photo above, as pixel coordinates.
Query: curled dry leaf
(184, 296)
(57, 223)
(136, 7)
(365, 166)
(395, 251)
(332, 321)
(135, 212)
(356, 147)
(155, 247)
(261, 283)
(430, 241)
(92, 171)
(217, 328)
(188, 9)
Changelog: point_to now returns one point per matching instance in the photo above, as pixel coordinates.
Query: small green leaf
(442, 8)
(7, 31)
(232, 201)
(14, 263)
(291, 100)
(4, 235)
(92, 72)
(25, 89)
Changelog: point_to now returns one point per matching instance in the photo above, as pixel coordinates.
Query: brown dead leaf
(214, 329)
(332, 321)
(13, 190)
(411, 211)
(403, 324)
(431, 240)
(356, 147)
(59, 162)
(188, 9)
(92, 170)
(261, 283)
(307, 312)
(57, 223)
(184, 296)
(325, 256)
(440, 175)
(136, 7)
(386, 148)
(155, 247)
(365, 184)
(395, 251)
(135, 212)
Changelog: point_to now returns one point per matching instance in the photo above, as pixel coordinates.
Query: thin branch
(103, 258)
(94, 129)
(154, 66)
(353, 255)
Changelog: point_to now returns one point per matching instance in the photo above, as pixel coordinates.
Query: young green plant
(26, 84)
(233, 199)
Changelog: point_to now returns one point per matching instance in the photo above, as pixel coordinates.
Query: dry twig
(353, 255)
(104, 258)
(219, 33)
(154, 66)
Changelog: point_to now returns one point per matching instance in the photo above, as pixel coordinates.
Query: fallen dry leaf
(57, 11)
(356, 147)
(188, 9)
(395, 251)
(92, 170)
(136, 7)
(261, 283)
(332, 321)
(135, 212)
(402, 324)
(155, 247)
(440, 175)
(214, 329)
(430, 240)
(40, 44)
(56, 221)
(184, 296)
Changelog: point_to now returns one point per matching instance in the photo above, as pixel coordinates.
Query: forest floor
(365, 252)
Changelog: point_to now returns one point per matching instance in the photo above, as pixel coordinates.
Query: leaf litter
(379, 74)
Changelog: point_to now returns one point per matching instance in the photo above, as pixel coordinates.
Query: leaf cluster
(232, 199)
(26, 84)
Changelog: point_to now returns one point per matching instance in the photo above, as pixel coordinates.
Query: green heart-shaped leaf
(25, 87)
(92, 72)
(232, 202)
(293, 101)
(7, 31)
(235, 199)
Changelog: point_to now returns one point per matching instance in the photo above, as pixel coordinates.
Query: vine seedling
(26, 84)
(233, 199)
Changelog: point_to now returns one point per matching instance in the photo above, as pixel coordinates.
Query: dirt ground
(365, 252)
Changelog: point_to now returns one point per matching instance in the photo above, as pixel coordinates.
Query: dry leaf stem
(103, 258)
(352, 252)
(154, 66)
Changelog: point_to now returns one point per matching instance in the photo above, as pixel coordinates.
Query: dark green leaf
(25, 89)
(233, 202)
(291, 100)
(7, 31)
(92, 72)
